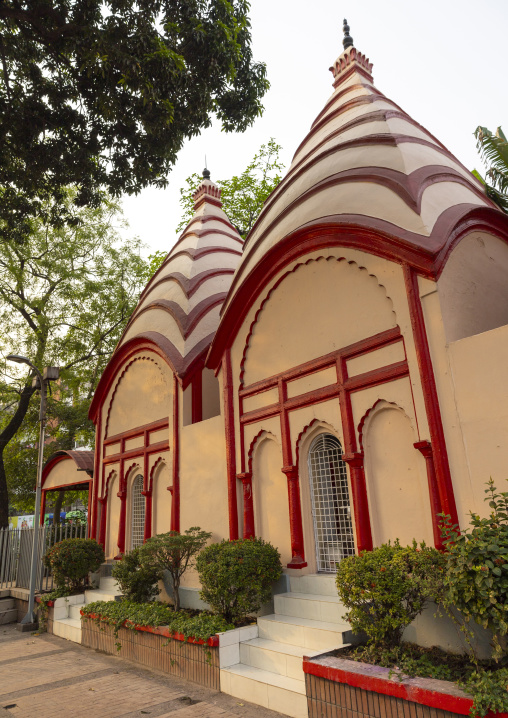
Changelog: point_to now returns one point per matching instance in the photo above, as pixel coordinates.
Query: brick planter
(340, 688)
(156, 648)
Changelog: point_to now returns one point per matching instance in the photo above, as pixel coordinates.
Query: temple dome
(183, 299)
(365, 163)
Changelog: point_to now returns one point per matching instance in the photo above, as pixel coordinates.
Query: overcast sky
(442, 61)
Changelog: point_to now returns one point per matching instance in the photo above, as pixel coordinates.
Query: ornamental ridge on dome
(207, 192)
(350, 61)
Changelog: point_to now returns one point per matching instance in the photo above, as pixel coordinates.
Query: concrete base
(27, 627)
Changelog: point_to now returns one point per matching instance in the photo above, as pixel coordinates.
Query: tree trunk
(5, 436)
(58, 507)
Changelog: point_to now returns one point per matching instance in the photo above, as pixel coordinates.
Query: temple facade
(336, 381)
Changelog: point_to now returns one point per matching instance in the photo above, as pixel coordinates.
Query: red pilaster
(248, 505)
(428, 382)
(360, 501)
(96, 474)
(148, 514)
(425, 448)
(295, 518)
(175, 489)
(43, 507)
(104, 510)
(122, 495)
(229, 424)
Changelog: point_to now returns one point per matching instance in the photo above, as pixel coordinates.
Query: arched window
(331, 511)
(138, 512)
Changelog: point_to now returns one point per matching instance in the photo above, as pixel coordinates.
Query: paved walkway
(49, 677)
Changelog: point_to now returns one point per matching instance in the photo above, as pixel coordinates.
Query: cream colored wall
(161, 497)
(143, 394)
(473, 288)
(203, 482)
(65, 472)
(270, 497)
(479, 372)
(211, 397)
(113, 519)
(396, 479)
(321, 307)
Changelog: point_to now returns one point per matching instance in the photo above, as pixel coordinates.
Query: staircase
(307, 621)
(67, 616)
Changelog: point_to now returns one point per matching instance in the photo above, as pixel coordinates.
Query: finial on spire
(206, 174)
(347, 40)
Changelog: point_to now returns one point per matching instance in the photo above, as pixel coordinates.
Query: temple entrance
(331, 510)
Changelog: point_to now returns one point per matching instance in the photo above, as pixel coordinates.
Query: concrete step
(6, 604)
(69, 628)
(264, 688)
(310, 605)
(108, 583)
(307, 633)
(101, 594)
(318, 583)
(74, 611)
(282, 658)
(10, 615)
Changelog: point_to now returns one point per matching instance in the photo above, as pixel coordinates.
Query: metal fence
(16, 553)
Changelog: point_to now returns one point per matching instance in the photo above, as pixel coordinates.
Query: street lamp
(50, 373)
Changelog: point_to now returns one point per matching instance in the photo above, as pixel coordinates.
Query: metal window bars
(138, 512)
(16, 553)
(331, 509)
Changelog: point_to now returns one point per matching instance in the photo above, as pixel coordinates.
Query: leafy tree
(65, 296)
(173, 552)
(243, 195)
(138, 583)
(103, 93)
(494, 153)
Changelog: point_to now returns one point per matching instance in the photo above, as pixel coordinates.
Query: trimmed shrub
(139, 583)
(385, 589)
(173, 552)
(476, 579)
(71, 560)
(237, 576)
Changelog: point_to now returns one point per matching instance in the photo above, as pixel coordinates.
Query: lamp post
(41, 382)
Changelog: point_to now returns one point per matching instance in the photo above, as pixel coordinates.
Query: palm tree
(493, 150)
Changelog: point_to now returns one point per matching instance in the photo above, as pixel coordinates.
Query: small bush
(139, 583)
(173, 552)
(237, 576)
(72, 560)
(385, 589)
(476, 578)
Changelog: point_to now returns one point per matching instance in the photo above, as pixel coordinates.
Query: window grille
(138, 512)
(331, 509)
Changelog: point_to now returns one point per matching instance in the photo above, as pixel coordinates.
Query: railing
(16, 554)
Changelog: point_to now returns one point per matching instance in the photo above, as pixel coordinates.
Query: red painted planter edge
(412, 693)
(213, 641)
(50, 604)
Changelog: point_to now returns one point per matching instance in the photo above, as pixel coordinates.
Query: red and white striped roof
(183, 299)
(365, 163)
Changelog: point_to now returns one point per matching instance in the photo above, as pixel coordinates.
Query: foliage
(173, 552)
(45, 599)
(237, 576)
(485, 683)
(386, 588)
(139, 583)
(243, 195)
(65, 296)
(493, 149)
(71, 560)
(103, 94)
(476, 577)
(131, 614)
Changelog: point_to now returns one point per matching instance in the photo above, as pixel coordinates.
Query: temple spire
(206, 174)
(347, 40)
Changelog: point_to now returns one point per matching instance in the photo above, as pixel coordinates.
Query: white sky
(442, 61)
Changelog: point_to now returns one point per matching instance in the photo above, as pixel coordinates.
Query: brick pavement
(48, 677)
